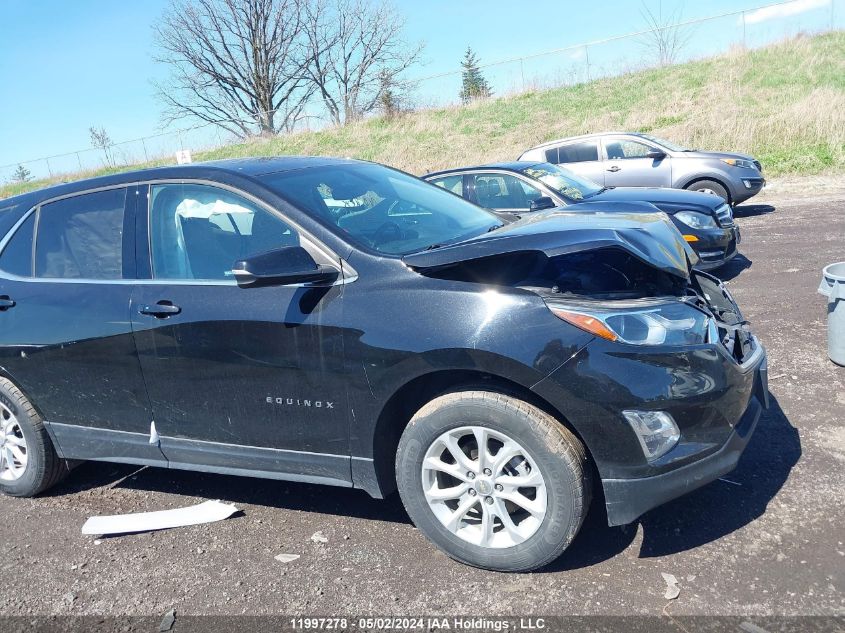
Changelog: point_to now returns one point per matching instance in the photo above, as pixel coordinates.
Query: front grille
(725, 215)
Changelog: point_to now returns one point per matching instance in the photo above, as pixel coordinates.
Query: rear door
(65, 332)
(582, 157)
(627, 164)
(248, 380)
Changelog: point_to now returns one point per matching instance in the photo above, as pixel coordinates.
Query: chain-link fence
(569, 65)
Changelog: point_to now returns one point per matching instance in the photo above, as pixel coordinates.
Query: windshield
(672, 147)
(380, 208)
(563, 181)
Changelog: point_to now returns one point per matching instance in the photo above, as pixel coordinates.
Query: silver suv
(618, 159)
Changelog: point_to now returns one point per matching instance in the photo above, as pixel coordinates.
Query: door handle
(6, 303)
(615, 168)
(160, 310)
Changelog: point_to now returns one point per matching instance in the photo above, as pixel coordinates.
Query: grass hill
(784, 103)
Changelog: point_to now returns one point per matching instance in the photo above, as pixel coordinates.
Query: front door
(627, 165)
(247, 380)
(504, 192)
(65, 332)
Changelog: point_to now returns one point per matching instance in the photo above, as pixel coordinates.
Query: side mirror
(282, 267)
(543, 202)
(656, 154)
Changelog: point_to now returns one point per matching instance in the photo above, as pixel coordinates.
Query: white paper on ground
(206, 512)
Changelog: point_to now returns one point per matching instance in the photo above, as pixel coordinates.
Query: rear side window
(81, 237)
(17, 256)
(577, 153)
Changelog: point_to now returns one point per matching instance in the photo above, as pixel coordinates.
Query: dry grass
(785, 104)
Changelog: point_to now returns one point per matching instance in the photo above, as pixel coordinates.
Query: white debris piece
(286, 558)
(319, 537)
(206, 512)
(672, 588)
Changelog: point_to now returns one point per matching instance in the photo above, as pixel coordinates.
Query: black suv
(344, 323)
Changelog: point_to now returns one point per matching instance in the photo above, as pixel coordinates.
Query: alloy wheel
(13, 452)
(484, 487)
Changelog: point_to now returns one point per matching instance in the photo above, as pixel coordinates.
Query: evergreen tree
(22, 174)
(474, 85)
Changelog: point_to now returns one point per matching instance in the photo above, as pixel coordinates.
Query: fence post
(49, 170)
(146, 156)
(79, 160)
(744, 42)
(522, 72)
(587, 58)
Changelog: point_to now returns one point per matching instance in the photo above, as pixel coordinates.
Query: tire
(712, 187)
(35, 465)
(549, 452)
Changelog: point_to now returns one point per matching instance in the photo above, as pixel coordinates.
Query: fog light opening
(656, 431)
(747, 183)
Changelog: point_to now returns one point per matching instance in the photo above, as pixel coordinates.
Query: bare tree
(101, 140)
(666, 38)
(356, 53)
(237, 63)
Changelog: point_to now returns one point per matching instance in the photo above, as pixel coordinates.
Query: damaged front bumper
(715, 400)
(627, 499)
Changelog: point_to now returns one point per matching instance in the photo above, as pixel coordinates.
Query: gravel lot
(769, 540)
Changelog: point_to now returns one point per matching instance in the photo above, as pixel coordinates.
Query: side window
(455, 184)
(618, 149)
(578, 153)
(81, 237)
(503, 191)
(531, 192)
(200, 231)
(17, 256)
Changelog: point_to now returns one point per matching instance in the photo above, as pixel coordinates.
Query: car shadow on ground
(233, 489)
(700, 517)
(733, 268)
(752, 210)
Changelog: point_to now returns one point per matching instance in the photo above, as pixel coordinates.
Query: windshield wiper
(595, 193)
(495, 227)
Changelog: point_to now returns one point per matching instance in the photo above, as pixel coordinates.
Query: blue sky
(65, 66)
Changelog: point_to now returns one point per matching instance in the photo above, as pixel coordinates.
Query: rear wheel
(712, 187)
(28, 461)
(493, 481)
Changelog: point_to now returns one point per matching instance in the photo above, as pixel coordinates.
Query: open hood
(649, 237)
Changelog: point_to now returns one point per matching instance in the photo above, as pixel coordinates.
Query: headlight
(675, 323)
(697, 220)
(739, 162)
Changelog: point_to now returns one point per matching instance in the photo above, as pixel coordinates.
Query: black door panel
(70, 347)
(257, 367)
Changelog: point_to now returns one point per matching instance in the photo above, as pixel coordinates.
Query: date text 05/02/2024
(422, 623)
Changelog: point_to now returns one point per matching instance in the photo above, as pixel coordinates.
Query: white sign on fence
(183, 157)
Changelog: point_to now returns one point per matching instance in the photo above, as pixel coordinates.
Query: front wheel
(712, 187)
(493, 481)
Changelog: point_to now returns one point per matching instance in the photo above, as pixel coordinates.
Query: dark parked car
(343, 323)
(706, 222)
(624, 159)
